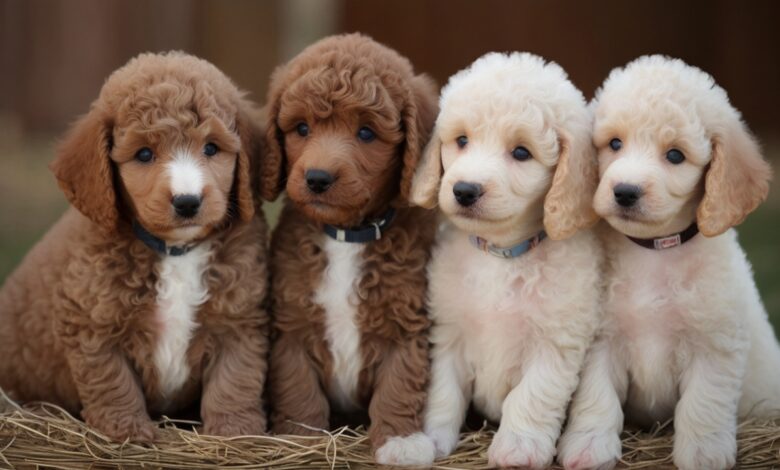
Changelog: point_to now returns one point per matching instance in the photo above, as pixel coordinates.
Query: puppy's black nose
(318, 181)
(186, 205)
(466, 193)
(627, 194)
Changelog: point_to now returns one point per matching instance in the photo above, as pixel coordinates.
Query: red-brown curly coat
(80, 318)
(336, 87)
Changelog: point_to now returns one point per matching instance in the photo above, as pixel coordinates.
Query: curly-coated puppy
(347, 122)
(514, 287)
(685, 333)
(146, 294)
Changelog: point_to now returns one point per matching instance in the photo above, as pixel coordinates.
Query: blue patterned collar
(508, 252)
(368, 232)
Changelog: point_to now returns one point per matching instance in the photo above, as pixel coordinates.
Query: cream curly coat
(685, 333)
(510, 335)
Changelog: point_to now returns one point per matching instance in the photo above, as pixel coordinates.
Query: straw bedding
(45, 435)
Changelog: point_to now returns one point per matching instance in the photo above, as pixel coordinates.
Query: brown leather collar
(669, 241)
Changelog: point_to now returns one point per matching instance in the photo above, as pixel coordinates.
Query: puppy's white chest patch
(337, 296)
(180, 291)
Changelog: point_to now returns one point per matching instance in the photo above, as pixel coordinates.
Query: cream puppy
(685, 333)
(514, 292)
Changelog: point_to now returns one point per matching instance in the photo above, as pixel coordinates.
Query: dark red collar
(669, 241)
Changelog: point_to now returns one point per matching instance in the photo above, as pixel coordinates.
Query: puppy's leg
(448, 398)
(397, 404)
(233, 385)
(705, 420)
(110, 393)
(533, 412)
(592, 437)
(296, 394)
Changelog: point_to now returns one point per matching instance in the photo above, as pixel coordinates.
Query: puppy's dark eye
(462, 141)
(302, 129)
(675, 156)
(521, 153)
(615, 144)
(365, 134)
(210, 149)
(144, 155)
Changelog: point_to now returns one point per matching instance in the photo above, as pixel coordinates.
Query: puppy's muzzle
(318, 181)
(186, 205)
(626, 195)
(467, 193)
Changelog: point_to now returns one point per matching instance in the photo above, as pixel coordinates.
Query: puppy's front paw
(133, 428)
(589, 450)
(528, 450)
(444, 440)
(413, 450)
(229, 425)
(715, 451)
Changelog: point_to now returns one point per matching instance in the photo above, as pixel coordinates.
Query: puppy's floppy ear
(250, 131)
(418, 116)
(425, 185)
(84, 170)
(736, 182)
(568, 206)
(273, 165)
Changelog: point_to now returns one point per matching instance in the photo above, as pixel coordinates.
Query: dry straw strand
(45, 435)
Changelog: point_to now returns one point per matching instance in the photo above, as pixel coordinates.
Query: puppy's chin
(333, 207)
(639, 228)
(177, 231)
(330, 214)
(637, 222)
(185, 234)
(476, 221)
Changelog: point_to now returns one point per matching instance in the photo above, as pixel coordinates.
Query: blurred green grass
(30, 202)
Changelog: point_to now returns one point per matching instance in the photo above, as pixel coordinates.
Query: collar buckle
(667, 242)
(378, 229)
(368, 232)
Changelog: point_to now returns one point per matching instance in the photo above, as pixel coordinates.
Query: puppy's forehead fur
(510, 94)
(349, 74)
(349, 52)
(323, 93)
(676, 101)
(172, 90)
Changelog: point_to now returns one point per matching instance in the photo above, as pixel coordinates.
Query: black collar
(669, 241)
(158, 244)
(367, 232)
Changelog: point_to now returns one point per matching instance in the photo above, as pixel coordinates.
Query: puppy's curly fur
(685, 334)
(351, 330)
(510, 335)
(82, 320)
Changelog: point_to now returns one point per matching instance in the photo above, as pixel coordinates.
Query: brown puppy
(347, 121)
(147, 293)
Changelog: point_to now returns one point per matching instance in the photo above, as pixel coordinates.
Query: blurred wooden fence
(55, 54)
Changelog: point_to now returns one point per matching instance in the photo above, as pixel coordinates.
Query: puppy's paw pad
(413, 450)
(512, 449)
(589, 451)
(715, 451)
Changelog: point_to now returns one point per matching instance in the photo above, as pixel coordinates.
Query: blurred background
(55, 54)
